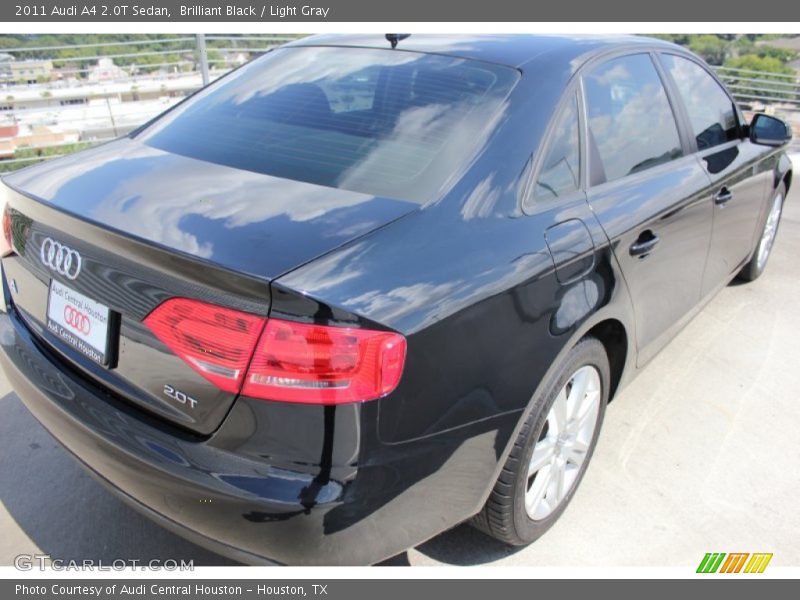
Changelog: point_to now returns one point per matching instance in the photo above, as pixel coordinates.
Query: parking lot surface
(699, 454)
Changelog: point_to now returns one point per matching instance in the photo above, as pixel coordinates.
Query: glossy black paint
(664, 285)
(239, 220)
(769, 131)
(489, 296)
(131, 278)
(741, 179)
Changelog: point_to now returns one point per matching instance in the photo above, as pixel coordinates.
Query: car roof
(514, 50)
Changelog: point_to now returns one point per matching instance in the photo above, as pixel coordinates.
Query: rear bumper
(236, 494)
(232, 504)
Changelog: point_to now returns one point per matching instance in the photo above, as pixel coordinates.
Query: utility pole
(202, 55)
(111, 116)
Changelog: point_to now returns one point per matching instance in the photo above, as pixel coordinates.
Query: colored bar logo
(734, 562)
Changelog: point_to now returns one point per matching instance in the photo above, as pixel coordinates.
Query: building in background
(5, 67)
(30, 71)
(106, 70)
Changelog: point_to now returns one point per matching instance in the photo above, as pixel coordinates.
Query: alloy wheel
(770, 229)
(564, 443)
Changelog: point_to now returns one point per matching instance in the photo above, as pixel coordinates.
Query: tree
(784, 55)
(754, 62)
(768, 68)
(712, 48)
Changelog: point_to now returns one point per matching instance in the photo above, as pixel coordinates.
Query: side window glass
(711, 112)
(630, 117)
(560, 170)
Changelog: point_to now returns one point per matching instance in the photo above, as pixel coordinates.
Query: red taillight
(289, 362)
(6, 245)
(294, 362)
(216, 342)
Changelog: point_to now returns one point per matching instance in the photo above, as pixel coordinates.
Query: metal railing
(75, 100)
(752, 87)
(777, 93)
(82, 102)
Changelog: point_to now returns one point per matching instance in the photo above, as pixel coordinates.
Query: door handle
(644, 244)
(723, 197)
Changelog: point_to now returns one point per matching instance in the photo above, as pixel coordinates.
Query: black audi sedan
(361, 290)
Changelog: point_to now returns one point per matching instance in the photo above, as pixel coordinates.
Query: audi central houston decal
(60, 258)
(77, 320)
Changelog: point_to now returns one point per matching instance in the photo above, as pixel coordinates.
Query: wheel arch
(783, 172)
(614, 337)
(613, 325)
(615, 332)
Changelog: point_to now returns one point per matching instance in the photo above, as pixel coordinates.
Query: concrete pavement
(699, 454)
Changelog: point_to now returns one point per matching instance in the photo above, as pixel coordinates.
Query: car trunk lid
(146, 226)
(244, 221)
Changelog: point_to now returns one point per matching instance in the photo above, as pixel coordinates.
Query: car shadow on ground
(462, 546)
(65, 512)
(70, 516)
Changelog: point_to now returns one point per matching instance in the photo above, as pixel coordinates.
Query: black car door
(647, 193)
(738, 182)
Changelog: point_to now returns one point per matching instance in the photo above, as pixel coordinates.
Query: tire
(758, 262)
(505, 515)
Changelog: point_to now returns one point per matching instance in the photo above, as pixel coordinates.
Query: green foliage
(6, 167)
(717, 49)
(712, 48)
(682, 39)
(37, 154)
(755, 62)
(25, 152)
(175, 48)
(784, 55)
(764, 66)
(751, 52)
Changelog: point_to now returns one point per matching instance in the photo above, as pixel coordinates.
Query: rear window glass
(383, 122)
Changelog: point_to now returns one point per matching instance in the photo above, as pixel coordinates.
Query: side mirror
(769, 131)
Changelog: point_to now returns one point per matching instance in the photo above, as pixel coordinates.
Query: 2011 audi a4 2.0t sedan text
(357, 292)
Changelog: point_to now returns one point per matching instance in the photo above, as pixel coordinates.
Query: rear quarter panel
(471, 282)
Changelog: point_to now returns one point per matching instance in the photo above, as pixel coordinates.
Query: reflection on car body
(359, 292)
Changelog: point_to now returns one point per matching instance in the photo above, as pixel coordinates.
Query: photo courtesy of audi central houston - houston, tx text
(386, 298)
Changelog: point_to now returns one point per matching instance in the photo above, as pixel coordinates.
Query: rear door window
(711, 111)
(381, 122)
(630, 118)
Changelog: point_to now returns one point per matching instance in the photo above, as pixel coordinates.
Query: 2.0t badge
(179, 396)
(60, 258)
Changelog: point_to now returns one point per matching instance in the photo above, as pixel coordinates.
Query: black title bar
(385, 589)
(106, 11)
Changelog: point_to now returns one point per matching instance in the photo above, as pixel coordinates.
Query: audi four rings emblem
(77, 320)
(60, 258)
